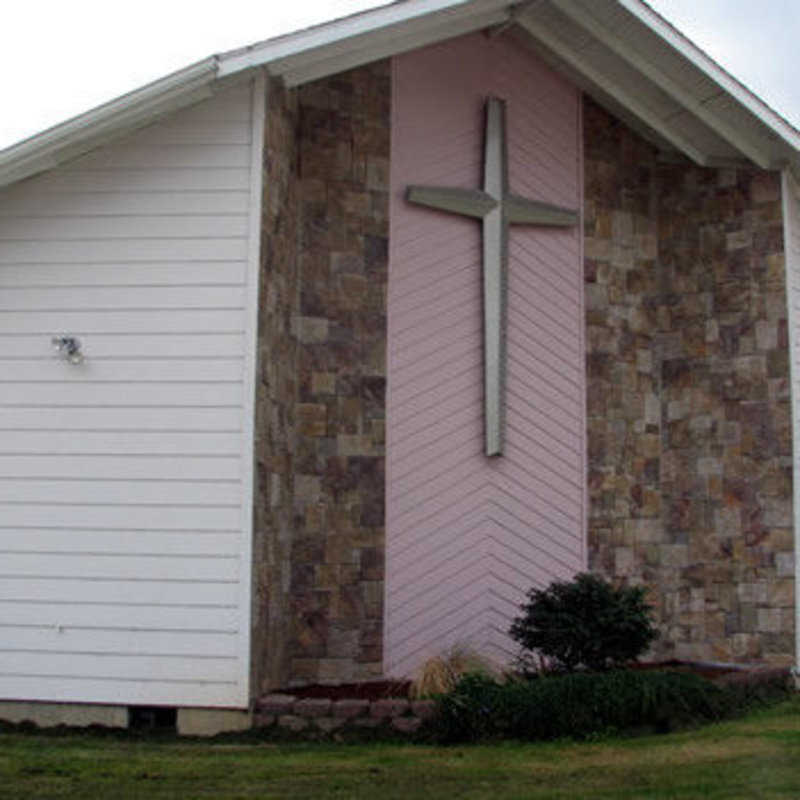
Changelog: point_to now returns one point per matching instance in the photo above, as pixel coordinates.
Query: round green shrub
(585, 622)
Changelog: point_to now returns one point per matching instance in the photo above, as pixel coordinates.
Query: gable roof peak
(621, 52)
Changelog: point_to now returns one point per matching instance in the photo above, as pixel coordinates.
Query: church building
(319, 354)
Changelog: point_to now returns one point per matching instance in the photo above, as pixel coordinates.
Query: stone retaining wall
(324, 716)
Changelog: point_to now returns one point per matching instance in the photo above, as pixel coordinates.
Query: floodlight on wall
(68, 348)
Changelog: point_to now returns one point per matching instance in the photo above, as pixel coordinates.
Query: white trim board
(250, 373)
(790, 191)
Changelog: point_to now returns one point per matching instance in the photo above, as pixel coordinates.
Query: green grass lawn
(755, 757)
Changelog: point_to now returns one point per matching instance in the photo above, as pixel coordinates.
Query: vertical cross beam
(495, 281)
(497, 208)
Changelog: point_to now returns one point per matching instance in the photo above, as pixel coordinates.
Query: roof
(621, 52)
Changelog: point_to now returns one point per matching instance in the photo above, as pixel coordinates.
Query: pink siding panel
(467, 536)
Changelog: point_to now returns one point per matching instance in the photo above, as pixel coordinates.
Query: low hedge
(582, 705)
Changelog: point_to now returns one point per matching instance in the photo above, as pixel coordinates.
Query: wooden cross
(498, 209)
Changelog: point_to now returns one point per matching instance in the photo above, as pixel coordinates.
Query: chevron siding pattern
(466, 535)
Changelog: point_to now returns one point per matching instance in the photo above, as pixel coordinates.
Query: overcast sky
(63, 57)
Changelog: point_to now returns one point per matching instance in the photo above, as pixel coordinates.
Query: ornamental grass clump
(585, 623)
(441, 673)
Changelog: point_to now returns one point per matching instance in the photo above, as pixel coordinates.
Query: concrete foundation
(49, 715)
(211, 721)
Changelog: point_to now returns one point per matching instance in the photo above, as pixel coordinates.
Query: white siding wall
(791, 215)
(125, 481)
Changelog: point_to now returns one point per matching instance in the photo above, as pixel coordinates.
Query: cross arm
(521, 211)
(469, 202)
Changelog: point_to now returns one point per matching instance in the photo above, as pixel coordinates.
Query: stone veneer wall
(689, 436)
(276, 391)
(322, 395)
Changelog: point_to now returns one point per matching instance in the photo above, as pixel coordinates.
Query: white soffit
(619, 51)
(636, 63)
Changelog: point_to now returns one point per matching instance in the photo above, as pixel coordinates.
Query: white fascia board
(714, 71)
(320, 42)
(789, 186)
(635, 106)
(92, 129)
(248, 452)
(579, 15)
(373, 50)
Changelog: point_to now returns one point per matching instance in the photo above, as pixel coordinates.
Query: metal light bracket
(68, 348)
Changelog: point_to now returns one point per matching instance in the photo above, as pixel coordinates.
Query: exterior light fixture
(68, 348)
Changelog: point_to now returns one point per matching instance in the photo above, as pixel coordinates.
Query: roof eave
(297, 57)
(385, 31)
(87, 131)
(323, 42)
(725, 80)
(603, 55)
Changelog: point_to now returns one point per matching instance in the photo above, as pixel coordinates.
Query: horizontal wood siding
(123, 509)
(468, 536)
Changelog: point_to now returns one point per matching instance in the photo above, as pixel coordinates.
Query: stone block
(310, 330)
(307, 489)
(766, 335)
(348, 709)
(624, 561)
(276, 704)
(293, 723)
(744, 645)
(765, 188)
(644, 530)
(354, 445)
(367, 722)
(329, 724)
(674, 555)
(709, 466)
(378, 173)
(780, 593)
(406, 724)
(769, 620)
(342, 641)
(392, 707)
(312, 707)
(785, 564)
(778, 512)
(676, 410)
(424, 709)
(312, 419)
(347, 262)
(738, 240)
(596, 297)
(354, 290)
(697, 600)
(336, 669)
(323, 383)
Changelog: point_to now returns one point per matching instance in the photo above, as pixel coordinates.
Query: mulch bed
(370, 690)
(380, 690)
(709, 671)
